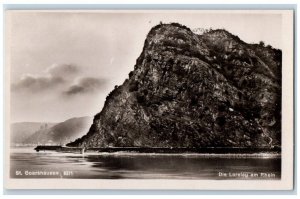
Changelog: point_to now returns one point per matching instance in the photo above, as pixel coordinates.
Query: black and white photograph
(149, 96)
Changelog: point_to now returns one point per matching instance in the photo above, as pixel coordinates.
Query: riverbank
(207, 150)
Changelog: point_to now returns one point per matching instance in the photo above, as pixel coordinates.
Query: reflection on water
(26, 163)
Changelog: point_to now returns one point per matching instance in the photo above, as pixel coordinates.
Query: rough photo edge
(286, 182)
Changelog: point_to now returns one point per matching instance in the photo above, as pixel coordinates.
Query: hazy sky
(63, 64)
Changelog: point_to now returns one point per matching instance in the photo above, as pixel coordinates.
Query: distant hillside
(22, 130)
(61, 133)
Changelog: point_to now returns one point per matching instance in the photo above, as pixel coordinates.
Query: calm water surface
(26, 163)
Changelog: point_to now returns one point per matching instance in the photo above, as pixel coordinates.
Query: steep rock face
(189, 90)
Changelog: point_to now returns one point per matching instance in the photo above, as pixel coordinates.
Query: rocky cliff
(189, 90)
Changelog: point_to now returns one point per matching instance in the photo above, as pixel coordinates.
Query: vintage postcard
(149, 99)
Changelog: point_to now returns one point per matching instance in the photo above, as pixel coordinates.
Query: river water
(26, 163)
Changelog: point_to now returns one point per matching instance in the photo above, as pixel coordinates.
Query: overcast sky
(63, 64)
